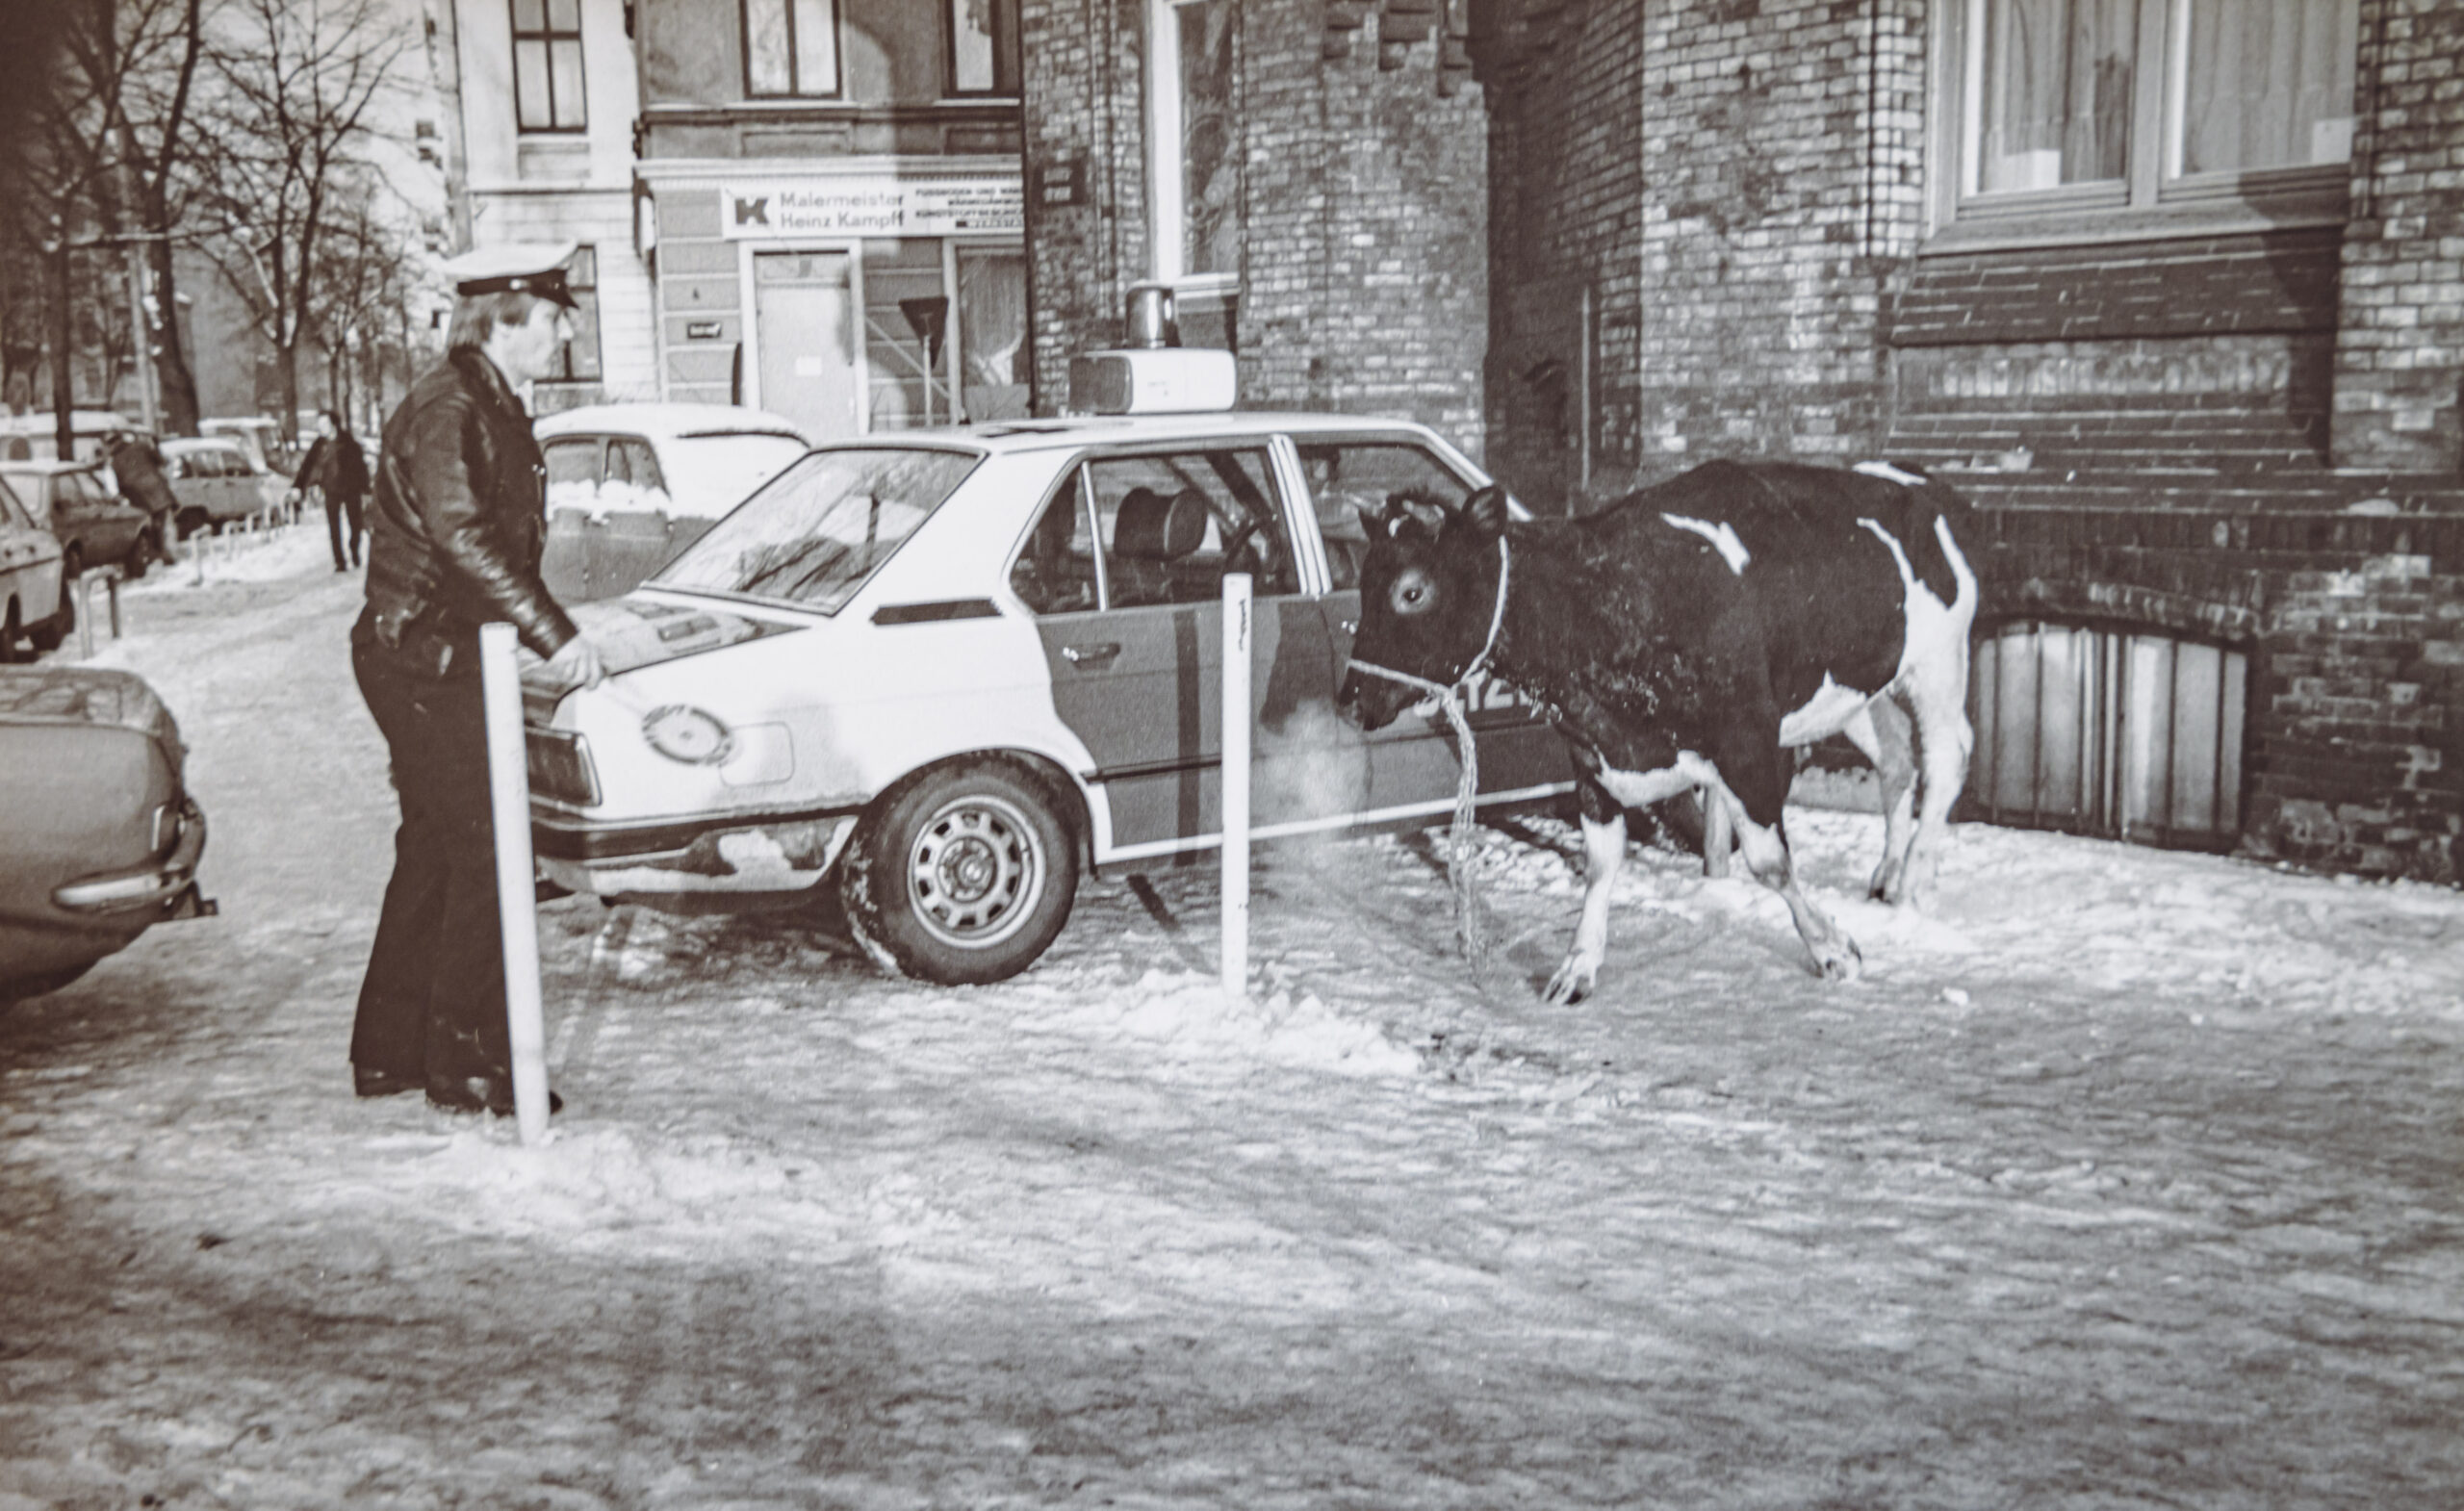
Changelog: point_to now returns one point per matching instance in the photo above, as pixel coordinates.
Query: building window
(2145, 108)
(547, 65)
(577, 359)
(984, 46)
(1194, 157)
(791, 47)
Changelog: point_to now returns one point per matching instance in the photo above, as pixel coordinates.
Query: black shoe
(480, 1094)
(380, 1083)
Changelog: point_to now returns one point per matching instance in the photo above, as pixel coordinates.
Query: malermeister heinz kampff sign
(870, 205)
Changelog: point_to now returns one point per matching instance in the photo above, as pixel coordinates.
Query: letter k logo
(753, 212)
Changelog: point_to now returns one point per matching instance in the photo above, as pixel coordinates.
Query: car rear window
(819, 529)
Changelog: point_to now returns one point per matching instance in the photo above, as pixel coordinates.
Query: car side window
(13, 514)
(1346, 476)
(1174, 524)
(1055, 573)
(634, 479)
(574, 472)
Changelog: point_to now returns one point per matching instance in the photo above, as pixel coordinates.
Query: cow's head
(1428, 588)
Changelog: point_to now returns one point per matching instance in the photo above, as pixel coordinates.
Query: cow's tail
(1966, 597)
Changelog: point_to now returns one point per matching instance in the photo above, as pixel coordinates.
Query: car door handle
(1091, 655)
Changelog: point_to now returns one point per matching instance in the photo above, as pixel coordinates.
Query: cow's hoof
(1842, 963)
(1571, 984)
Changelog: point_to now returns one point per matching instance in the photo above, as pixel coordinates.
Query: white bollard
(517, 901)
(85, 616)
(1718, 837)
(1234, 784)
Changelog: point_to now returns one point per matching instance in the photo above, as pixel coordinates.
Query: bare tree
(364, 277)
(141, 58)
(297, 81)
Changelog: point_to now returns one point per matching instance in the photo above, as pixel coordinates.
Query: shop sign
(870, 205)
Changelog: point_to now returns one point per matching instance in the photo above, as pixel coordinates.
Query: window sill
(2044, 223)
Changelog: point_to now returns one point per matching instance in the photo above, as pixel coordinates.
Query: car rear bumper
(165, 888)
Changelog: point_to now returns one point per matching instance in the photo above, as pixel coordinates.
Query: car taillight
(166, 828)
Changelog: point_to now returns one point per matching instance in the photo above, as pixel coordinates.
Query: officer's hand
(576, 663)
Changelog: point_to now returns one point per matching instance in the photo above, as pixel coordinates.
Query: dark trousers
(432, 1007)
(337, 510)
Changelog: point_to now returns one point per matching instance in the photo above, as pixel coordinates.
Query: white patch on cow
(1826, 713)
(1936, 630)
(1898, 474)
(1638, 789)
(1722, 536)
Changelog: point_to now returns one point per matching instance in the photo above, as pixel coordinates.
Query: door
(1125, 570)
(1413, 762)
(803, 314)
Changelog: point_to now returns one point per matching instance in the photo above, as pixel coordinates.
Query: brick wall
(1735, 183)
(2354, 627)
(2399, 353)
(1364, 269)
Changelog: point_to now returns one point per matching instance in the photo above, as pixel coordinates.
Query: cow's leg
(1881, 730)
(1604, 853)
(1936, 702)
(1756, 794)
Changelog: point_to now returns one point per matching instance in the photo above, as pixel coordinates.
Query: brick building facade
(2200, 395)
(2190, 333)
(1310, 177)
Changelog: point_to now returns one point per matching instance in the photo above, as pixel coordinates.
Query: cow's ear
(1486, 509)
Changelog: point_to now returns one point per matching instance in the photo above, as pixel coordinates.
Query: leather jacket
(459, 520)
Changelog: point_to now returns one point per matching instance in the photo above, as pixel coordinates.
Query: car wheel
(963, 874)
(13, 629)
(17, 988)
(190, 521)
(142, 553)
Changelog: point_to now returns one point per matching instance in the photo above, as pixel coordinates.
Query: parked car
(926, 676)
(95, 527)
(35, 435)
(629, 485)
(35, 606)
(216, 481)
(99, 838)
(258, 435)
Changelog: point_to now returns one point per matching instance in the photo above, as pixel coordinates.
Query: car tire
(962, 874)
(13, 629)
(142, 553)
(48, 635)
(190, 521)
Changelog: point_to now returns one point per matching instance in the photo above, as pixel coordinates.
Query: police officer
(459, 520)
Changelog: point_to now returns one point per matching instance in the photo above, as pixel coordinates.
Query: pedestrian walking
(337, 470)
(137, 462)
(459, 524)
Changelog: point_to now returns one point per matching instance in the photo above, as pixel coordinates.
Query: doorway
(801, 308)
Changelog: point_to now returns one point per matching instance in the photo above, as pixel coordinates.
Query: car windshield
(817, 531)
(708, 474)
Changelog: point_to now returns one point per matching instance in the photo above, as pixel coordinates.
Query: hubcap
(975, 872)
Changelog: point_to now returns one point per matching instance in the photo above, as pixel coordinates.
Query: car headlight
(683, 732)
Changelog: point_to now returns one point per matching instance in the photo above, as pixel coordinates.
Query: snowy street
(2124, 1178)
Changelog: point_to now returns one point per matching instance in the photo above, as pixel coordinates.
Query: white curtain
(2269, 83)
(2056, 91)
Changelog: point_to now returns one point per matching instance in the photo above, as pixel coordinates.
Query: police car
(935, 676)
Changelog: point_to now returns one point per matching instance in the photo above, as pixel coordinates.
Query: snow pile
(237, 556)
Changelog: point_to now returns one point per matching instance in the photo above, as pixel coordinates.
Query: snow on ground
(2123, 1178)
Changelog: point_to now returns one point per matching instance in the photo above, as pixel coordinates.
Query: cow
(1691, 635)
